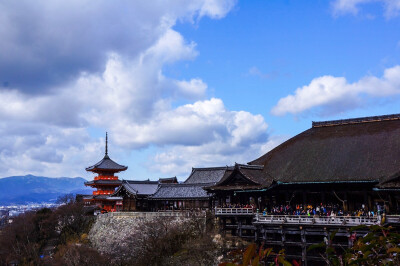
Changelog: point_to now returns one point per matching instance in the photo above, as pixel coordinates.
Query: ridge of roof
(184, 184)
(247, 166)
(141, 182)
(367, 119)
(211, 168)
(167, 178)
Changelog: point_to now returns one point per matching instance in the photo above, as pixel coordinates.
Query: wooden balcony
(234, 211)
(104, 177)
(260, 219)
(317, 220)
(103, 192)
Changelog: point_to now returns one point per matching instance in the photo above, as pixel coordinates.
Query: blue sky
(180, 85)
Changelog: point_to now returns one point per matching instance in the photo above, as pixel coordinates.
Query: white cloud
(60, 109)
(180, 159)
(46, 43)
(137, 122)
(392, 7)
(254, 71)
(216, 9)
(44, 150)
(195, 88)
(109, 60)
(328, 90)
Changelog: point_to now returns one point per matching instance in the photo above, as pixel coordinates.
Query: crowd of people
(329, 210)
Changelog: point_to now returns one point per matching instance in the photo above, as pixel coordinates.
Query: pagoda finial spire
(106, 143)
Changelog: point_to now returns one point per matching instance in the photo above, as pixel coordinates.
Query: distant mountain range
(38, 189)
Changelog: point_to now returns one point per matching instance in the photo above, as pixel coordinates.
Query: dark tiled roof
(243, 177)
(103, 182)
(108, 165)
(354, 150)
(180, 191)
(124, 187)
(141, 187)
(390, 182)
(210, 175)
(356, 120)
(254, 173)
(168, 180)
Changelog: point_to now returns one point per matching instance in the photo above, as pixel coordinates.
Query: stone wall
(117, 231)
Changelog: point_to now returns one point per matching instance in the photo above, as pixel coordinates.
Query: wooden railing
(103, 192)
(298, 219)
(393, 219)
(105, 177)
(235, 211)
(318, 220)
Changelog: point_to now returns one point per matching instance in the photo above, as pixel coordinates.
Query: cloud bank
(327, 91)
(340, 7)
(67, 67)
(46, 43)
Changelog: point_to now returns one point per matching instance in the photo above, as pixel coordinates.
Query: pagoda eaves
(106, 164)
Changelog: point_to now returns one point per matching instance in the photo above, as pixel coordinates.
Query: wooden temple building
(354, 163)
(136, 194)
(167, 194)
(349, 167)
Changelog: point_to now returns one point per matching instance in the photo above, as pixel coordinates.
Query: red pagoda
(105, 183)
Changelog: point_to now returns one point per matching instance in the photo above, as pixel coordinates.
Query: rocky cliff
(127, 235)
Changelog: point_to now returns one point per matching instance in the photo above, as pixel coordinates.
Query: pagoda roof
(103, 182)
(360, 149)
(106, 164)
(106, 197)
(102, 197)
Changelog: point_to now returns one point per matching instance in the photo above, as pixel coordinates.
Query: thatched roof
(362, 149)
